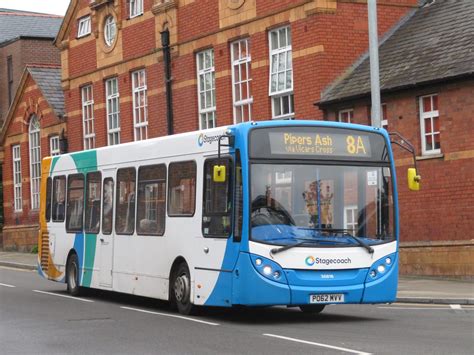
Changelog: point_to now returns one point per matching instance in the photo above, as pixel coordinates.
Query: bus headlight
(381, 267)
(268, 268)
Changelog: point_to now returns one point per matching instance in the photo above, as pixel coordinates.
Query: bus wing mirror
(219, 173)
(413, 180)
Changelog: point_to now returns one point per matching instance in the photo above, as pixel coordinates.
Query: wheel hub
(181, 288)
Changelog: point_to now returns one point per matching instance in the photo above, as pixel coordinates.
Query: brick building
(25, 38)
(33, 129)
(221, 54)
(427, 88)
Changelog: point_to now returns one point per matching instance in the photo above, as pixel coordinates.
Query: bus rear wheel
(72, 275)
(181, 289)
(312, 308)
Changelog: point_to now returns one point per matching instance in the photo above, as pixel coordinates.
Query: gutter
(322, 103)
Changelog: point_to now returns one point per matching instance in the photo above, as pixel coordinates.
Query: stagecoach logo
(311, 260)
(203, 139)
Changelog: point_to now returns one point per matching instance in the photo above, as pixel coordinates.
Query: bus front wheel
(312, 308)
(181, 289)
(72, 275)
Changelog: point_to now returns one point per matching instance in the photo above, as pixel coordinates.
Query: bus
(295, 213)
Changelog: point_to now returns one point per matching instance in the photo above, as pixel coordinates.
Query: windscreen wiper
(286, 247)
(346, 232)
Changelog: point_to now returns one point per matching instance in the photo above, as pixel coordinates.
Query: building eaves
(435, 44)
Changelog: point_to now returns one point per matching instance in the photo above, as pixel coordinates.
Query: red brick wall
(17, 133)
(443, 208)
(23, 52)
(343, 35)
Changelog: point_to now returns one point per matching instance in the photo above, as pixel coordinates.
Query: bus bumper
(297, 287)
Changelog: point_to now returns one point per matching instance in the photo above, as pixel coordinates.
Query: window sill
(83, 36)
(430, 156)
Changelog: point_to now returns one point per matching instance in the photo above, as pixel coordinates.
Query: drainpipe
(165, 42)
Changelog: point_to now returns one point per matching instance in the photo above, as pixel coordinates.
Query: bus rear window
(48, 199)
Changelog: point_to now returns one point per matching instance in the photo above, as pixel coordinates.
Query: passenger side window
(92, 220)
(182, 189)
(59, 198)
(151, 200)
(216, 215)
(125, 203)
(108, 206)
(48, 199)
(75, 203)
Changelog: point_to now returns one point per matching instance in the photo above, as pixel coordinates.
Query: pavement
(411, 289)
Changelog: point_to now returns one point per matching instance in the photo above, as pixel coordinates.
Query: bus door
(106, 239)
(219, 246)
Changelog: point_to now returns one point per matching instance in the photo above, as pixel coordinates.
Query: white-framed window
(18, 201)
(88, 117)
(110, 30)
(54, 146)
(140, 105)
(35, 161)
(350, 219)
(84, 26)
(113, 111)
(241, 80)
(346, 116)
(206, 89)
(281, 73)
(429, 124)
(136, 8)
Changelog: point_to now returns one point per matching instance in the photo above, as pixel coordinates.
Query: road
(38, 317)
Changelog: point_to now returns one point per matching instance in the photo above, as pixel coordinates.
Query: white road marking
(427, 308)
(318, 344)
(65, 296)
(170, 315)
(6, 285)
(455, 306)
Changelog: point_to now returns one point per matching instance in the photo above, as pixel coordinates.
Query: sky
(56, 7)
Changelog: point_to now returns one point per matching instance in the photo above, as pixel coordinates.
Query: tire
(181, 290)
(72, 276)
(312, 308)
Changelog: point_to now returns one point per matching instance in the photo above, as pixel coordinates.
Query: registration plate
(327, 298)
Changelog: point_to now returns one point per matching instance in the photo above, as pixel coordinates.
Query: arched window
(35, 162)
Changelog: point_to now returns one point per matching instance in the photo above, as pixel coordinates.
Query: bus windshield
(322, 204)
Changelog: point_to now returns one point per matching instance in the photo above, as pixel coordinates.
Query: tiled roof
(435, 43)
(15, 24)
(48, 80)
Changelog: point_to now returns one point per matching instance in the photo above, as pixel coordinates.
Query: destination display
(329, 144)
(317, 143)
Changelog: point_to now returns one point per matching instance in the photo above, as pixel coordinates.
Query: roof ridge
(11, 12)
(43, 65)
